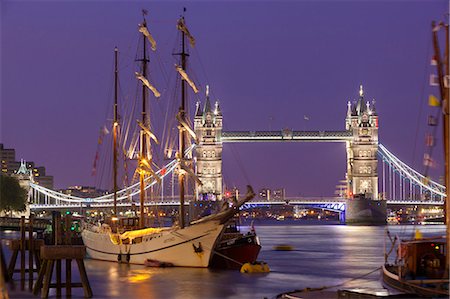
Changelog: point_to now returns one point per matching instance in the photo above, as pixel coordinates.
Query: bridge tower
(208, 152)
(362, 164)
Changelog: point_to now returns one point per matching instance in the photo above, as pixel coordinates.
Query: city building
(10, 167)
(83, 191)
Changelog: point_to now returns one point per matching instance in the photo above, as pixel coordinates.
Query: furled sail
(146, 83)
(182, 27)
(182, 167)
(144, 30)
(148, 132)
(186, 77)
(146, 169)
(187, 127)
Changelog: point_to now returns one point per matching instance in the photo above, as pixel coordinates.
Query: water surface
(323, 255)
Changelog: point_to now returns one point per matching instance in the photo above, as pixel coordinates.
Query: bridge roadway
(286, 135)
(252, 203)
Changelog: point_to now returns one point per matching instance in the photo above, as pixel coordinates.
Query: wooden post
(56, 228)
(68, 277)
(12, 263)
(40, 277)
(48, 278)
(68, 232)
(4, 269)
(30, 252)
(22, 253)
(58, 278)
(84, 279)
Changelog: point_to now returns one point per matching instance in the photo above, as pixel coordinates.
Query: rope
(240, 164)
(327, 287)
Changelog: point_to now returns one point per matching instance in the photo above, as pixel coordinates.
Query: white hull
(171, 245)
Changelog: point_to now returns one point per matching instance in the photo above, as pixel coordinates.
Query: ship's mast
(115, 128)
(443, 75)
(181, 130)
(143, 142)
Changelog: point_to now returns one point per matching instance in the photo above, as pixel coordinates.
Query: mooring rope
(327, 287)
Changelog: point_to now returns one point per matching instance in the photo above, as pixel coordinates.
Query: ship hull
(232, 254)
(187, 247)
(425, 288)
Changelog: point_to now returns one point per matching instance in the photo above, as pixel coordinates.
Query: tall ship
(421, 266)
(128, 239)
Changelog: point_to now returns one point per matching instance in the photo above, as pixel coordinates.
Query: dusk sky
(269, 63)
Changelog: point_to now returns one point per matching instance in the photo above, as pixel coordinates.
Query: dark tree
(12, 196)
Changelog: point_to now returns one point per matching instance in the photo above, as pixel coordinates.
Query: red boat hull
(234, 253)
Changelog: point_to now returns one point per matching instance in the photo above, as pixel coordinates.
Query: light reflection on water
(323, 255)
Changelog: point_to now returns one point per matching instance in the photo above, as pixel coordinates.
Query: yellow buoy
(256, 267)
(418, 234)
(283, 247)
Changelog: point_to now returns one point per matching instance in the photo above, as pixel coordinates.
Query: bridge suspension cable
(125, 193)
(407, 172)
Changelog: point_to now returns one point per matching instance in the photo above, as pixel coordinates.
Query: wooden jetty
(43, 258)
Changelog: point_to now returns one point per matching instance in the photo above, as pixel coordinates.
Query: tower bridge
(363, 156)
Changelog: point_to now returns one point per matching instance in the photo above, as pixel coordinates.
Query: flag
(434, 81)
(105, 130)
(437, 27)
(150, 38)
(429, 140)
(427, 160)
(186, 77)
(94, 167)
(432, 121)
(433, 101)
(146, 83)
(433, 60)
(182, 27)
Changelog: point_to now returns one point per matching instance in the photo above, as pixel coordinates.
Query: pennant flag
(433, 60)
(429, 140)
(186, 77)
(146, 33)
(146, 83)
(433, 101)
(94, 167)
(437, 27)
(105, 130)
(432, 121)
(434, 81)
(182, 27)
(427, 160)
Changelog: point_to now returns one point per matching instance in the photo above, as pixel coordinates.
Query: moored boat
(235, 248)
(180, 245)
(421, 266)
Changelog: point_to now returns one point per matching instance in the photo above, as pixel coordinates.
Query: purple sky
(269, 64)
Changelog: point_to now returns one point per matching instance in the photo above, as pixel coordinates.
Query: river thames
(322, 255)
